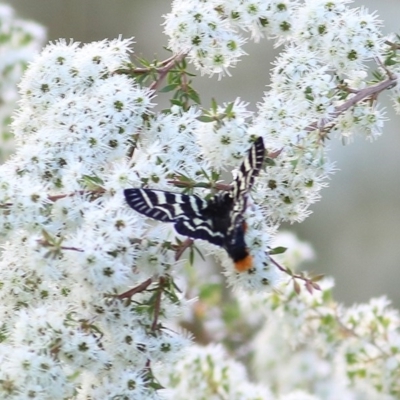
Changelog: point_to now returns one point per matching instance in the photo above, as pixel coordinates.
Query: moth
(219, 220)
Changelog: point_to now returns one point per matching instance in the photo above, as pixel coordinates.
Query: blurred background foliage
(355, 228)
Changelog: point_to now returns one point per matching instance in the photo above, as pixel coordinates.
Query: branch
(394, 46)
(72, 248)
(160, 289)
(165, 69)
(146, 70)
(362, 94)
(192, 184)
(180, 249)
(137, 289)
(309, 283)
(80, 192)
(157, 305)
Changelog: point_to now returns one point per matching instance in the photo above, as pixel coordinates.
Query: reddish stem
(137, 289)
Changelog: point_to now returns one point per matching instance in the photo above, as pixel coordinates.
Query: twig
(362, 94)
(218, 186)
(72, 248)
(137, 289)
(157, 305)
(165, 69)
(180, 249)
(389, 73)
(78, 192)
(161, 283)
(310, 285)
(394, 46)
(145, 70)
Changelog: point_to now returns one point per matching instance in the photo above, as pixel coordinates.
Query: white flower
(206, 372)
(226, 143)
(198, 29)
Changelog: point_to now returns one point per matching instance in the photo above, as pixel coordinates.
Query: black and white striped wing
(200, 228)
(187, 212)
(249, 169)
(164, 206)
(243, 183)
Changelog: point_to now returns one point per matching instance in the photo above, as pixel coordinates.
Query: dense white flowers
(297, 348)
(208, 30)
(71, 241)
(197, 28)
(206, 373)
(225, 143)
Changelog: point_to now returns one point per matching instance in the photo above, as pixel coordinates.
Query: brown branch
(144, 70)
(165, 69)
(365, 93)
(161, 283)
(389, 73)
(72, 248)
(186, 184)
(157, 306)
(56, 197)
(137, 289)
(394, 46)
(180, 249)
(62, 196)
(310, 285)
(362, 94)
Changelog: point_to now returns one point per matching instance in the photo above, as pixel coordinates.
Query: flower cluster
(207, 372)
(307, 345)
(71, 243)
(225, 143)
(310, 342)
(208, 31)
(343, 38)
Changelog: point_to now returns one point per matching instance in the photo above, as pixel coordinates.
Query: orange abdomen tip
(244, 264)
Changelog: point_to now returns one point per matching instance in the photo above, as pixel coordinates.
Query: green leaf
(193, 95)
(191, 256)
(214, 105)
(169, 88)
(176, 102)
(204, 173)
(48, 238)
(183, 177)
(317, 278)
(378, 75)
(215, 176)
(210, 291)
(92, 181)
(277, 250)
(199, 252)
(229, 108)
(205, 185)
(204, 118)
(155, 385)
